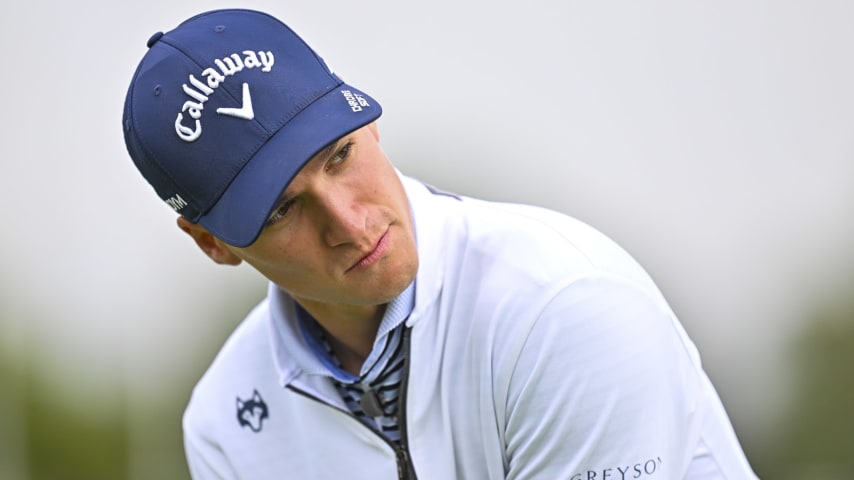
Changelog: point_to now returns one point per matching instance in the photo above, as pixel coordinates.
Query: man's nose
(345, 219)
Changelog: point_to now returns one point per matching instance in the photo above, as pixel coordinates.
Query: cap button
(154, 38)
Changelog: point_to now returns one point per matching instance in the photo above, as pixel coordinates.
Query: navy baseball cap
(223, 112)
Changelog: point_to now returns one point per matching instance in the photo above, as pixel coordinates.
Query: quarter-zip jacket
(537, 349)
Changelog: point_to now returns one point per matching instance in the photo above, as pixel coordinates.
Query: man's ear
(212, 246)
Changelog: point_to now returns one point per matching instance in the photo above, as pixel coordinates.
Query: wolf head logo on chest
(252, 413)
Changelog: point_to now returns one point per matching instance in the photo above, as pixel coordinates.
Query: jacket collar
(432, 234)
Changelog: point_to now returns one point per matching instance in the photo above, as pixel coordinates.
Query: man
(407, 333)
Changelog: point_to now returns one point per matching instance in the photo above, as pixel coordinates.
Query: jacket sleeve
(606, 386)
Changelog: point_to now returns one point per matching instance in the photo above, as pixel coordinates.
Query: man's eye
(341, 154)
(280, 213)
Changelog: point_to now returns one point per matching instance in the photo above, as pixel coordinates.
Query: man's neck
(352, 330)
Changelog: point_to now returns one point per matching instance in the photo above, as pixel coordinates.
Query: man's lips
(374, 255)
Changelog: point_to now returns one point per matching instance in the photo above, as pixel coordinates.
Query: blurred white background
(713, 140)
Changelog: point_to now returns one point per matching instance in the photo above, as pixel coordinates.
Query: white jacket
(538, 349)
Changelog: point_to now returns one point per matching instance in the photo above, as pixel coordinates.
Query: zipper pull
(370, 403)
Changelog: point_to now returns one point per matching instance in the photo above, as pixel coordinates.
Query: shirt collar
(396, 312)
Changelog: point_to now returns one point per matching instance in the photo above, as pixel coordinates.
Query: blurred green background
(713, 140)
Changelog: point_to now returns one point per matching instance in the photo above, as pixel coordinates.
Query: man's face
(342, 233)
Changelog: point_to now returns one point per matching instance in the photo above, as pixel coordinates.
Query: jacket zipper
(405, 469)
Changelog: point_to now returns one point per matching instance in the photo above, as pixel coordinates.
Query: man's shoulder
(545, 240)
(496, 247)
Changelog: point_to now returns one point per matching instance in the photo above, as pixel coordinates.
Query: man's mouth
(374, 255)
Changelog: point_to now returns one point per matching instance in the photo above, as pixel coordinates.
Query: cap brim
(244, 207)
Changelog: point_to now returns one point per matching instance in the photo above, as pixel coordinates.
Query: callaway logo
(199, 90)
(251, 413)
